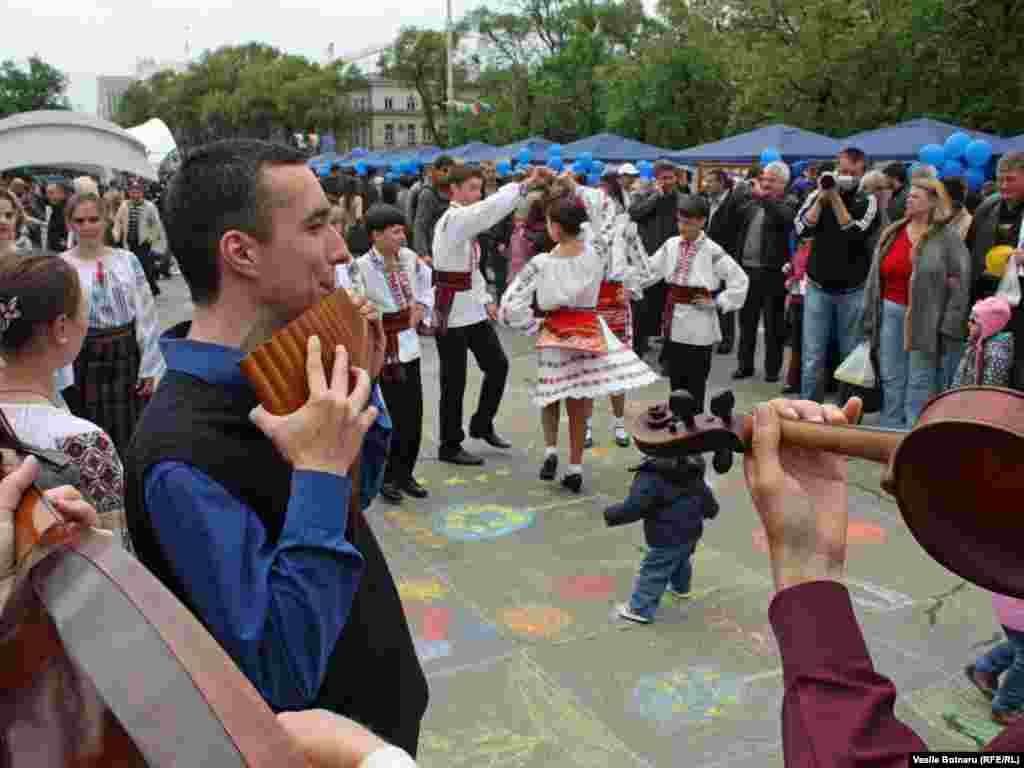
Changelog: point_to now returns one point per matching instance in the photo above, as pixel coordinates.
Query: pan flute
(277, 367)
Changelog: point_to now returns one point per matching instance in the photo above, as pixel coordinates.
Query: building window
(410, 103)
(412, 134)
(389, 134)
(389, 103)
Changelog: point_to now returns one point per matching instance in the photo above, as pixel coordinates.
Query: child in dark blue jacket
(673, 500)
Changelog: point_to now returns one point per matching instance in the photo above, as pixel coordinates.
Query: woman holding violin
(44, 318)
(120, 361)
(916, 304)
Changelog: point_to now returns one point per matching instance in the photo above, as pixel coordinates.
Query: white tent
(159, 142)
(73, 140)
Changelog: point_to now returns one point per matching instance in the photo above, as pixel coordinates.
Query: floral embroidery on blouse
(102, 477)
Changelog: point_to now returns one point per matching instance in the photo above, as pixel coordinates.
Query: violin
(957, 476)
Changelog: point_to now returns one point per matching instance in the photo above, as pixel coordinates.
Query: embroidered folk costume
(392, 284)
(693, 269)
(122, 345)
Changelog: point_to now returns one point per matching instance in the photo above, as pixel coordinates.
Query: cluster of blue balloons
(362, 168)
(770, 155)
(646, 169)
(554, 161)
(959, 156)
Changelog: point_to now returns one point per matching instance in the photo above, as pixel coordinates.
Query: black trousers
(145, 256)
(482, 340)
(727, 322)
(796, 342)
(767, 298)
(689, 367)
(405, 404)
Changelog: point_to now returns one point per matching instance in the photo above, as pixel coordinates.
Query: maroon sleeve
(836, 710)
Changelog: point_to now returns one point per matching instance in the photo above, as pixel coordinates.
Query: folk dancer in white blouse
(693, 265)
(389, 273)
(578, 357)
(605, 220)
(44, 316)
(120, 361)
(463, 309)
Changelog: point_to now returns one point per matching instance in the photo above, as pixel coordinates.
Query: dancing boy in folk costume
(693, 266)
(463, 309)
(578, 357)
(389, 271)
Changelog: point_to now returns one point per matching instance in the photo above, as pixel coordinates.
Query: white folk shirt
(692, 323)
(456, 250)
(378, 290)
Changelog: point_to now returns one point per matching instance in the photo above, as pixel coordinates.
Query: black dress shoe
(463, 457)
(771, 378)
(573, 482)
(414, 489)
(493, 439)
(390, 492)
(789, 389)
(550, 466)
(742, 373)
(724, 348)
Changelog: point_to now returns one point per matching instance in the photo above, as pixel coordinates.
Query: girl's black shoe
(573, 482)
(548, 469)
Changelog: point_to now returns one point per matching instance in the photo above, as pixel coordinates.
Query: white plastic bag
(857, 368)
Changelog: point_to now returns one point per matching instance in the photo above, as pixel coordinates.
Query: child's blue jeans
(1006, 657)
(661, 566)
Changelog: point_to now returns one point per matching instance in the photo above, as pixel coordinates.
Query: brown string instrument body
(958, 475)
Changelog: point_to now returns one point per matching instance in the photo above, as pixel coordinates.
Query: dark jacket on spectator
(840, 256)
(655, 215)
(778, 223)
(430, 206)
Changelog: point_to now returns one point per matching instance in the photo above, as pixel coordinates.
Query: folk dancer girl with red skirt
(578, 357)
(117, 370)
(694, 265)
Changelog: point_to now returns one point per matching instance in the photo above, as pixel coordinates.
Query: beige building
(395, 117)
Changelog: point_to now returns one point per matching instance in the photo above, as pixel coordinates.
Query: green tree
(40, 86)
(419, 59)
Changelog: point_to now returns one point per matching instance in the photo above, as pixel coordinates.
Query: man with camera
(841, 219)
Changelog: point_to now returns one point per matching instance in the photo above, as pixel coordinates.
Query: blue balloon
(978, 153)
(578, 168)
(952, 168)
(975, 178)
(555, 149)
(593, 179)
(556, 164)
(361, 168)
(503, 168)
(646, 170)
(770, 155)
(585, 160)
(932, 154)
(956, 145)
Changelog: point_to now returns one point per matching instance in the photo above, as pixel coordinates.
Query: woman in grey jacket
(916, 302)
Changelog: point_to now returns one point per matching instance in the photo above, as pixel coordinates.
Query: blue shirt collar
(215, 364)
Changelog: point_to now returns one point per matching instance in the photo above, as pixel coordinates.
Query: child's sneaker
(625, 613)
(588, 438)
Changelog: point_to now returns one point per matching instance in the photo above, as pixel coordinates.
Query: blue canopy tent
(475, 152)
(609, 148)
(537, 146)
(792, 143)
(904, 141)
(1014, 144)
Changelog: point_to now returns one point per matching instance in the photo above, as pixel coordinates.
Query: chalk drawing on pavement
(435, 626)
(537, 621)
(875, 597)
(585, 587)
(757, 640)
(422, 589)
(478, 522)
(412, 525)
(683, 697)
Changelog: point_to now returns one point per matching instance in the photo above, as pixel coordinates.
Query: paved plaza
(510, 585)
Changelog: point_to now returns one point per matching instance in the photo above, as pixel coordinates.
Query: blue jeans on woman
(661, 566)
(908, 379)
(1006, 657)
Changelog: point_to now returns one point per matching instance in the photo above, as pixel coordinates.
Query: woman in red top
(915, 302)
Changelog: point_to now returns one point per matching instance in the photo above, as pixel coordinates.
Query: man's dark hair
(855, 154)
(693, 207)
(754, 171)
(722, 176)
(462, 173)
(956, 187)
(219, 188)
(381, 216)
(443, 161)
(664, 166)
(896, 171)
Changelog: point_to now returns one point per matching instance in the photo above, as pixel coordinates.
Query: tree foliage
(39, 86)
(250, 91)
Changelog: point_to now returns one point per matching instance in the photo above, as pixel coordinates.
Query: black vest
(374, 675)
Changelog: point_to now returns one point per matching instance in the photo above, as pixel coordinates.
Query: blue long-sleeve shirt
(277, 608)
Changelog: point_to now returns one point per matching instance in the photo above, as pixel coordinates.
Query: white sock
(590, 421)
(574, 469)
(620, 422)
(550, 450)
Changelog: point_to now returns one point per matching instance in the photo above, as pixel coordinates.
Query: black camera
(829, 181)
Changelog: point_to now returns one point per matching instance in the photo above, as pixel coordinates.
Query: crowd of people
(242, 515)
